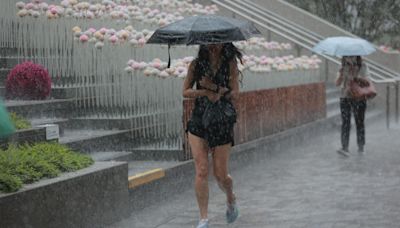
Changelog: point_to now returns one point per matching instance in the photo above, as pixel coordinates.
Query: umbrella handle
(169, 55)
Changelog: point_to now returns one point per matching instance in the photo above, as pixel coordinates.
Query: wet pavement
(308, 186)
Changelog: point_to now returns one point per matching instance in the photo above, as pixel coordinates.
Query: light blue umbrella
(344, 46)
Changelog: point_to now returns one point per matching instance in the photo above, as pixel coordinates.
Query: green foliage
(19, 122)
(9, 183)
(374, 20)
(29, 163)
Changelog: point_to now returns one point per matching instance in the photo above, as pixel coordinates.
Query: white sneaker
(344, 152)
(203, 223)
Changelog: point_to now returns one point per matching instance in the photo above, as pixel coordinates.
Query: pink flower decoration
(113, 39)
(92, 30)
(163, 74)
(53, 11)
(141, 41)
(83, 38)
(156, 65)
(29, 6)
(136, 66)
(103, 31)
(20, 5)
(143, 65)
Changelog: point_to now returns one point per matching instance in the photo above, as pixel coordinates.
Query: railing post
(326, 70)
(388, 106)
(397, 102)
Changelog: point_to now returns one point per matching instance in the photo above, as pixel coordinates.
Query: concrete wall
(92, 197)
(266, 112)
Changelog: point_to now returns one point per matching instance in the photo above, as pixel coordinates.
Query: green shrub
(19, 122)
(29, 163)
(9, 183)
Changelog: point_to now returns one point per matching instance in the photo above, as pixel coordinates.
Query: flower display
(136, 38)
(28, 81)
(150, 11)
(159, 68)
(112, 36)
(388, 49)
(259, 43)
(284, 63)
(251, 63)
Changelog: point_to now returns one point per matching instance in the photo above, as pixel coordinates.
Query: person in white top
(352, 66)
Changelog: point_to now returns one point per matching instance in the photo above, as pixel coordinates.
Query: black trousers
(348, 105)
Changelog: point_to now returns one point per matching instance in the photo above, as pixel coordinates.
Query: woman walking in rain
(215, 74)
(352, 67)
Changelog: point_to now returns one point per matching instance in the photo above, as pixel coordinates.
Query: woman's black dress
(217, 134)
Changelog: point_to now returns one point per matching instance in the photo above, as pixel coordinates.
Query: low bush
(29, 163)
(20, 122)
(28, 81)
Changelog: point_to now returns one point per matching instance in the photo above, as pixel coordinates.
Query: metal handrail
(304, 31)
(376, 70)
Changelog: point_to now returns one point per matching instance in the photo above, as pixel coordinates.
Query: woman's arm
(189, 92)
(339, 78)
(233, 82)
(364, 71)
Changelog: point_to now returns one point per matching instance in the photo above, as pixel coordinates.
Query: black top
(221, 78)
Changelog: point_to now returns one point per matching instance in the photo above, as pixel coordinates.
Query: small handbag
(361, 89)
(220, 112)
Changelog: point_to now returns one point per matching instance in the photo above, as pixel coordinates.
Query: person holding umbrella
(352, 67)
(215, 74)
(350, 49)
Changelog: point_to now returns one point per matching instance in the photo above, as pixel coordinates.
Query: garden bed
(91, 197)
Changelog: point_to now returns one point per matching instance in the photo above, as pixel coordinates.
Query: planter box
(91, 197)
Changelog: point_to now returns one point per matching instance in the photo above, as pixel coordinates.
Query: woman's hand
(213, 97)
(207, 83)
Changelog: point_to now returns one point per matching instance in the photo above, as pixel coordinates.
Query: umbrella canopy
(344, 46)
(204, 30)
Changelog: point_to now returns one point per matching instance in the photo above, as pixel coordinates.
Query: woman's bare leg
(220, 167)
(200, 154)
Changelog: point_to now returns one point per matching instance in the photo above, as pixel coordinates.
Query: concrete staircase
(103, 139)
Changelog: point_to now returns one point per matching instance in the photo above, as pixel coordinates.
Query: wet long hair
(229, 52)
(358, 62)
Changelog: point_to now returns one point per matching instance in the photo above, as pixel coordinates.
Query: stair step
(88, 141)
(111, 156)
(131, 122)
(50, 108)
(71, 136)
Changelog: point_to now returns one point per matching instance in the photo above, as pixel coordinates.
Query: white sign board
(52, 131)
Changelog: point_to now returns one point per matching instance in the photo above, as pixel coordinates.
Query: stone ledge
(37, 134)
(91, 197)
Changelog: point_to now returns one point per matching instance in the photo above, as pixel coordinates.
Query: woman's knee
(202, 172)
(222, 177)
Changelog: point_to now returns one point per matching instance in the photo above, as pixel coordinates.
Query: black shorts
(216, 135)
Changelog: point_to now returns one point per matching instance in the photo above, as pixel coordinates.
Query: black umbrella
(203, 30)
